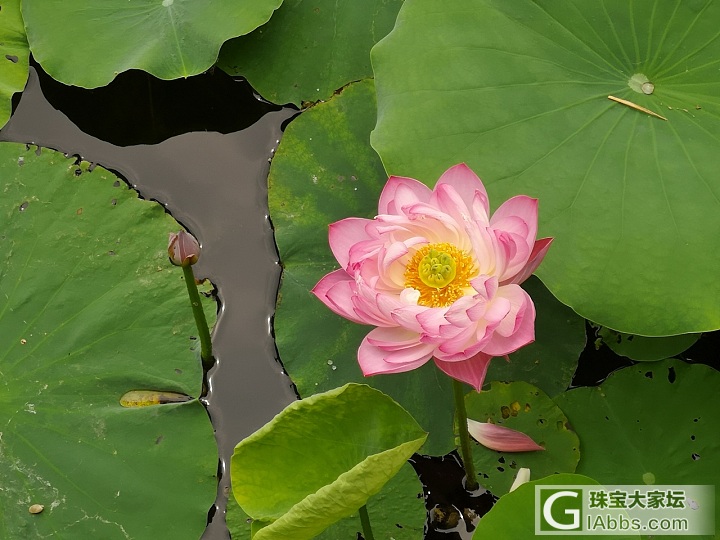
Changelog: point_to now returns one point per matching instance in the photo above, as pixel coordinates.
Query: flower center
(440, 272)
(437, 268)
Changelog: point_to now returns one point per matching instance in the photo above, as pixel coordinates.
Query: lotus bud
(183, 249)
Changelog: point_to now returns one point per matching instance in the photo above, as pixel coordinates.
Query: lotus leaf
(91, 309)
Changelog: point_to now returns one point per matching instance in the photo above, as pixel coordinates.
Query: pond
(228, 210)
(594, 131)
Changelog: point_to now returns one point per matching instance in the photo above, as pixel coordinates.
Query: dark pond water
(202, 148)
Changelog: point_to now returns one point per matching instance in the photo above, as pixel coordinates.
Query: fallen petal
(501, 438)
(523, 476)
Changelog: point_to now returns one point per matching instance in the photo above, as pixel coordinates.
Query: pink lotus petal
(431, 319)
(455, 339)
(373, 307)
(518, 300)
(513, 253)
(458, 346)
(522, 319)
(484, 249)
(392, 339)
(440, 226)
(406, 317)
(480, 206)
(389, 270)
(361, 252)
(536, 256)
(449, 201)
(471, 371)
(460, 313)
(522, 207)
(501, 438)
(512, 224)
(497, 310)
(344, 234)
(400, 192)
(466, 183)
(336, 290)
(373, 361)
(486, 286)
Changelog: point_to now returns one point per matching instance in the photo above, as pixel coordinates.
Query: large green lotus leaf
(645, 349)
(550, 362)
(398, 512)
(330, 42)
(525, 408)
(14, 56)
(513, 515)
(649, 423)
(519, 90)
(321, 459)
(88, 42)
(90, 308)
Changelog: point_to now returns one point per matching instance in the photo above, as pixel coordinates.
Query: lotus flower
(437, 276)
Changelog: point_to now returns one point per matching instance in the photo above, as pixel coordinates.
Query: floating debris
(36, 508)
(148, 398)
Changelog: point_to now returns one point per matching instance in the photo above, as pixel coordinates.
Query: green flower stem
(471, 483)
(365, 520)
(200, 320)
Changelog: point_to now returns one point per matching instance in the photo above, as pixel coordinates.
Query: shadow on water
(138, 108)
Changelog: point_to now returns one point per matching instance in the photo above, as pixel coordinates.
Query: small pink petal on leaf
(501, 438)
